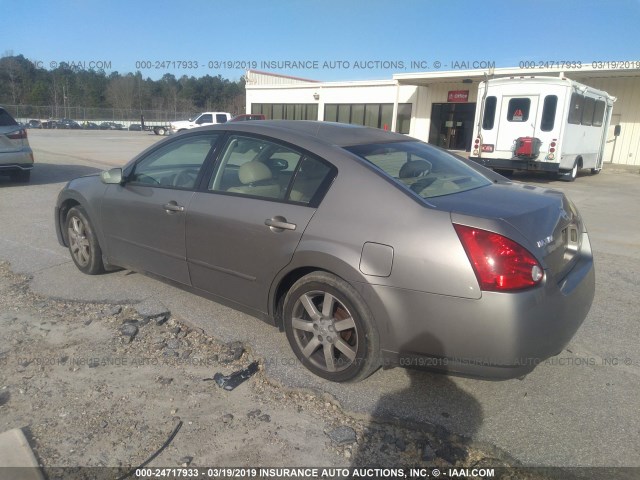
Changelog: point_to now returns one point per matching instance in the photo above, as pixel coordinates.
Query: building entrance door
(452, 125)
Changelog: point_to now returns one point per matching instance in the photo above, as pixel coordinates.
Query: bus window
(598, 113)
(518, 109)
(575, 108)
(549, 113)
(489, 113)
(587, 112)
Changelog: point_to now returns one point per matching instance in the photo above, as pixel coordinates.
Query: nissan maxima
(368, 248)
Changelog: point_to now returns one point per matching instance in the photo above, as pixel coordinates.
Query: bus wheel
(571, 175)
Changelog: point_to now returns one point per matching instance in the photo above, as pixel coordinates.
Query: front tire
(330, 328)
(83, 243)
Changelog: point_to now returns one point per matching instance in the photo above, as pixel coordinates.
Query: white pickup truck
(206, 118)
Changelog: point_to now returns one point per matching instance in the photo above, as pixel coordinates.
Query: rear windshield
(425, 170)
(6, 120)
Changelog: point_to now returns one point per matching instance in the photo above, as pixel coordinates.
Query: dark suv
(16, 156)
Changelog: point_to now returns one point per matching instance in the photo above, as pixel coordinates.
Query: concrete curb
(17, 461)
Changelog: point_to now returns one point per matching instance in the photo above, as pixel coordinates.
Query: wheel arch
(73, 198)
(63, 210)
(308, 262)
(568, 161)
(367, 347)
(283, 286)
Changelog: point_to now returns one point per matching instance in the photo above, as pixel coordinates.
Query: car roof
(339, 134)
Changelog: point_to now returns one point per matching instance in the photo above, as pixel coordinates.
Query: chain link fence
(24, 113)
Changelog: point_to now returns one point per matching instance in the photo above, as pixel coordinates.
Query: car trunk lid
(550, 225)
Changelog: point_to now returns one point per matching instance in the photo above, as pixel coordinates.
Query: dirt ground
(106, 385)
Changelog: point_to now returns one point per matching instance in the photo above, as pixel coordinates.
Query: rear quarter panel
(361, 207)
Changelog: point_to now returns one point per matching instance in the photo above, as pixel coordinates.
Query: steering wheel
(144, 178)
(185, 179)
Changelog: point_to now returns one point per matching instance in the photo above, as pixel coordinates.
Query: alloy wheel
(79, 241)
(325, 331)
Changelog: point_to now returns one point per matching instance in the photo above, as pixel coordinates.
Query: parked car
(90, 126)
(67, 123)
(135, 127)
(367, 247)
(51, 123)
(16, 156)
(34, 124)
(247, 116)
(111, 126)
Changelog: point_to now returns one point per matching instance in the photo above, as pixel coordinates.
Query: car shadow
(48, 173)
(428, 408)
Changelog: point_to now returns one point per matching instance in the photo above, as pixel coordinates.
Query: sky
(329, 40)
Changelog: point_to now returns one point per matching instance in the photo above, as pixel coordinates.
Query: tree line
(66, 87)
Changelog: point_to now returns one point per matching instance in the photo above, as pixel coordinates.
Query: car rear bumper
(499, 336)
(18, 160)
(15, 167)
(516, 164)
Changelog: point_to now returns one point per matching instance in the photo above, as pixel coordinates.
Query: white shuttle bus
(548, 124)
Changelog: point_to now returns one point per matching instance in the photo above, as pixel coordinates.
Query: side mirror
(616, 130)
(113, 176)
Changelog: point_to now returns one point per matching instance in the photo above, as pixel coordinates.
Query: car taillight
(19, 135)
(500, 264)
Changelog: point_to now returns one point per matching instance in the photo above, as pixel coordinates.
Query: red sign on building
(458, 96)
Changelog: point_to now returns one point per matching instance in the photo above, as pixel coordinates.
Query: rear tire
(160, 131)
(330, 328)
(83, 243)
(571, 175)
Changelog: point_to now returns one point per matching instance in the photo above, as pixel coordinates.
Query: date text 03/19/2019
(277, 473)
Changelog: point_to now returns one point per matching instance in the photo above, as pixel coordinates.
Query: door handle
(279, 223)
(173, 207)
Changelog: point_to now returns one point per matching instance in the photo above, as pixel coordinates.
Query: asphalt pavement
(578, 409)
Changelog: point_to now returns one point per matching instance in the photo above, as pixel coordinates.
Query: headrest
(415, 168)
(313, 169)
(253, 171)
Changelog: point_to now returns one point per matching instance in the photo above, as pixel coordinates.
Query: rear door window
(549, 113)
(311, 180)
(267, 169)
(489, 113)
(518, 109)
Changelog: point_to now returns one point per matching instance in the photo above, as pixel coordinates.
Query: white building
(438, 107)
